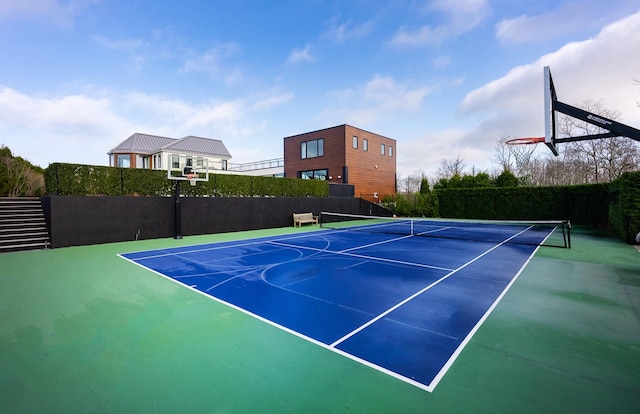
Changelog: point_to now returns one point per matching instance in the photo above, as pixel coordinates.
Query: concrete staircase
(22, 225)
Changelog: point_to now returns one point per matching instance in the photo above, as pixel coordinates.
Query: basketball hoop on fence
(522, 149)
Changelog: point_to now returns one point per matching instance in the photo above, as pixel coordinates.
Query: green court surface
(84, 331)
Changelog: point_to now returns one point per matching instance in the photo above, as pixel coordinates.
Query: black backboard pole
(616, 129)
(178, 212)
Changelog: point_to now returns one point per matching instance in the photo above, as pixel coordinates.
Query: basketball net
(192, 178)
(522, 149)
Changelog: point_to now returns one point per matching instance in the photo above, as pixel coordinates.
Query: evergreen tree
(506, 179)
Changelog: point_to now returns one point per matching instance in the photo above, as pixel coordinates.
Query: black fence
(78, 220)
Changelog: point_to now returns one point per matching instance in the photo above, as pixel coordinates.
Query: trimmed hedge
(624, 207)
(78, 179)
(582, 204)
(616, 204)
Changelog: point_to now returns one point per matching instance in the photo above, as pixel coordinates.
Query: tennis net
(553, 233)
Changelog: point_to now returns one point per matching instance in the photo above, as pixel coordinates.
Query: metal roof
(199, 145)
(142, 144)
(150, 144)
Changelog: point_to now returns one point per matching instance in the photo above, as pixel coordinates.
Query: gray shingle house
(154, 152)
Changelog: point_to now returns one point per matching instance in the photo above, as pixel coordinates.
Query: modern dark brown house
(344, 154)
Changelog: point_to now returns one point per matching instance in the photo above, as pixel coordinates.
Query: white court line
(362, 256)
(332, 347)
(435, 230)
(196, 248)
(420, 292)
(472, 332)
(375, 244)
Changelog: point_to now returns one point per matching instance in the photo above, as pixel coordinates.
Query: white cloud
(441, 62)
(426, 153)
(590, 69)
(381, 97)
(524, 29)
(82, 128)
(124, 45)
(460, 17)
(512, 106)
(214, 62)
(342, 32)
(67, 112)
(387, 93)
(298, 55)
(60, 13)
(272, 101)
(135, 47)
(566, 19)
(71, 128)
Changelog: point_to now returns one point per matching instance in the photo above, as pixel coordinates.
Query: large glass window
(312, 149)
(124, 161)
(390, 151)
(320, 175)
(365, 144)
(355, 142)
(382, 149)
(313, 174)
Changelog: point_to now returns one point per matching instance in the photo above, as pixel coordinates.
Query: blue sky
(444, 78)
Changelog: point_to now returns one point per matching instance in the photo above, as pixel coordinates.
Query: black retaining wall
(84, 220)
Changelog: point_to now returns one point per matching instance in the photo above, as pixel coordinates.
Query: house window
(312, 149)
(146, 163)
(175, 162)
(124, 161)
(365, 144)
(313, 174)
(382, 149)
(355, 142)
(188, 168)
(223, 164)
(390, 151)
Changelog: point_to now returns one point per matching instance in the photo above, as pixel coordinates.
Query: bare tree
(411, 183)
(597, 160)
(502, 156)
(448, 168)
(17, 172)
(17, 176)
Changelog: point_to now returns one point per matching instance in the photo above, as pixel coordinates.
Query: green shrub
(624, 206)
(77, 179)
(584, 204)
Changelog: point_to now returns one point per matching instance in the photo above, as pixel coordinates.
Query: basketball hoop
(192, 178)
(525, 141)
(522, 149)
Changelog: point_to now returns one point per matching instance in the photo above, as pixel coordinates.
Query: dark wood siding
(368, 171)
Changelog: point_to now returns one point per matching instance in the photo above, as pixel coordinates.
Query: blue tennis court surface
(404, 305)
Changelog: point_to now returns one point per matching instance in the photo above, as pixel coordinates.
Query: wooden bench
(302, 218)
